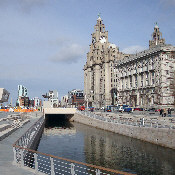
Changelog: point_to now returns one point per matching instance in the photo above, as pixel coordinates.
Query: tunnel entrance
(57, 120)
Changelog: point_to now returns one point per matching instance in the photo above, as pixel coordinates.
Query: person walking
(164, 112)
(161, 112)
(169, 112)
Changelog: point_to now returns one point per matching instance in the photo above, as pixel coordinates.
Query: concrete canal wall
(34, 142)
(160, 136)
(36, 138)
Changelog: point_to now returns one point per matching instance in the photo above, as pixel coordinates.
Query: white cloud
(133, 49)
(69, 53)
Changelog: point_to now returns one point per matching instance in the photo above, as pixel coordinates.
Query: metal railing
(49, 164)
(153, 123)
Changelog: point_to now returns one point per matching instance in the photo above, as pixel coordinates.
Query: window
(136, 81)
(142, 80)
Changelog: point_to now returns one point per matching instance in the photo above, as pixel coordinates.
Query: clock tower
(156, 38)
(98, 70)
(99, 32)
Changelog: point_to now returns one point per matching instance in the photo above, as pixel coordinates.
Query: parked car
(138, 109)
(152, 109)
(120, 109)
(128, 109)
(91, 109)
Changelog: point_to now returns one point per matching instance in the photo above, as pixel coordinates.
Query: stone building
(142, 79)
(99, 68)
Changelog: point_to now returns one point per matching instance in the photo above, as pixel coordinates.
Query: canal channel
(86, 144)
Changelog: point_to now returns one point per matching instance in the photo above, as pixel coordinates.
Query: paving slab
(7, 166)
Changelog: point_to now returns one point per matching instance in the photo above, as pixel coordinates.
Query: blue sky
(43, 43)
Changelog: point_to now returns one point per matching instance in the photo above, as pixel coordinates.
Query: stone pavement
(138, 116)
(6, 150)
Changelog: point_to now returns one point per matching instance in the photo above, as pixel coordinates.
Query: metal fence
(142, 122)
(49, 164)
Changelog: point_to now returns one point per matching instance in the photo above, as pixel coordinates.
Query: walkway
(6, 151)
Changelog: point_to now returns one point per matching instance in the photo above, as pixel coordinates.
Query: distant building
(31, 103)
(35, 102)
(64, 101)
(52, 97)
(22, 91)
(4, 95)
(23, 99)
(75, 98)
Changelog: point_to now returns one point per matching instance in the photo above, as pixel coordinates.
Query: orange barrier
(4, 110)
(19, 110)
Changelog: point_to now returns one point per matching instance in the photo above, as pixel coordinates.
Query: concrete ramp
(65, 111)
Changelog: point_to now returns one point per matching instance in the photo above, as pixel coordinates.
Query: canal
(95, 146)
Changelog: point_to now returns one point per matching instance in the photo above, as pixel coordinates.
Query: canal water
(95, 146)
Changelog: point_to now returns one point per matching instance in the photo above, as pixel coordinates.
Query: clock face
(102, 39)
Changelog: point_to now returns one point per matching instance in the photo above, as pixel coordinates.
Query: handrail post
(22, 157)
(15, 158)
(52, 166)
(72, 169)
(36, 162)
(98, 172)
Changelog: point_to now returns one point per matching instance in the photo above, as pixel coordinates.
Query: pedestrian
(164, 112)
(161, 112)
(169, 112)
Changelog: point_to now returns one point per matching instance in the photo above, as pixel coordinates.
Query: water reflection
(95, 146)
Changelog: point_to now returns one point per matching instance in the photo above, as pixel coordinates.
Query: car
(151, 109)
(138, 109)
(91, 109)
(120, 109)
(128, 109)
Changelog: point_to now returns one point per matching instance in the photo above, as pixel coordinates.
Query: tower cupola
(156, 37)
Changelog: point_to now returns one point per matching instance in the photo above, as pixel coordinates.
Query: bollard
(143, 121)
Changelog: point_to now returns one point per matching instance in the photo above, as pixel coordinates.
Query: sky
(43, 43)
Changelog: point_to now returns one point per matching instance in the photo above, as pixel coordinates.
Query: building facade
(4, 95)
(23, 99)
(99, 68)
(75, 98)
(143, 79)
(64, 101)
(52, 97)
